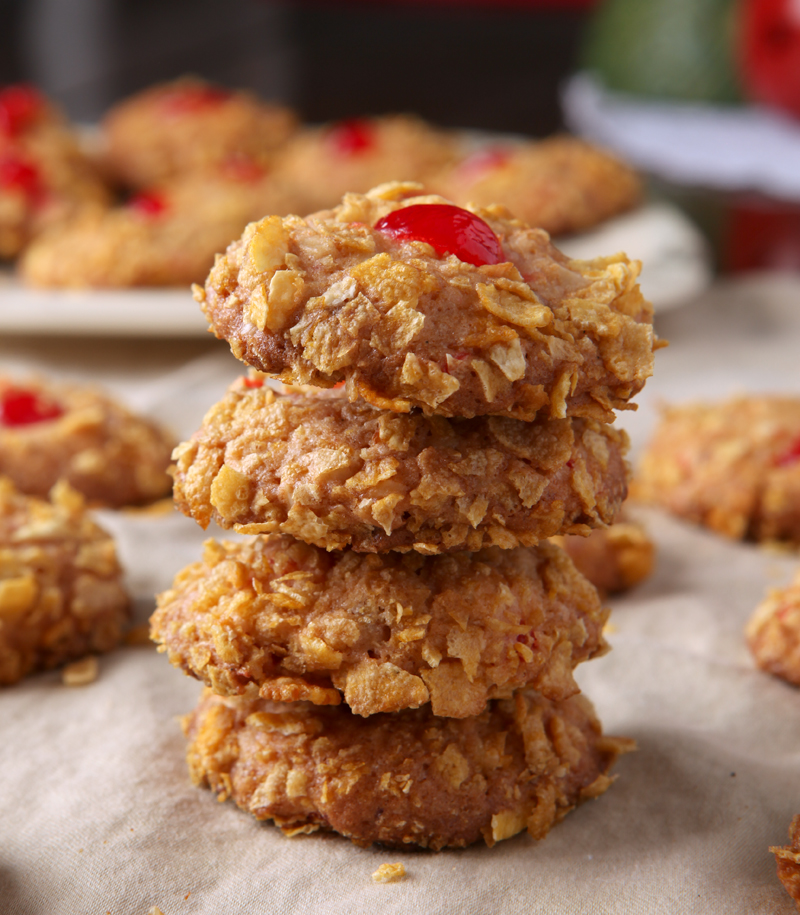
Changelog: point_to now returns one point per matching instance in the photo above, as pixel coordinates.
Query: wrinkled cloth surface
(97, 814)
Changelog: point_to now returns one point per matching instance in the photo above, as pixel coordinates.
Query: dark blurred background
(492, 65)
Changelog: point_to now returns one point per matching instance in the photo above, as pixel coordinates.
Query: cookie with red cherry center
(733, 467)
(323, 163)
(560, 184)
(417, 303)
(188, 124)
(51, 432)
(166, 236)
(45, 176)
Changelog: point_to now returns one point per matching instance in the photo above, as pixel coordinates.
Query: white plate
(107, 312)
(676, 270)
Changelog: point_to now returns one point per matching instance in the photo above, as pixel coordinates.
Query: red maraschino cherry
(21, 407)
(352, 136)
(790, 456)
(18, 174)
(20, 106)
(447, 229)
(148, 203)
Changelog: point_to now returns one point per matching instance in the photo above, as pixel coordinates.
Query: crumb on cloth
(389, 873)
(81, 673)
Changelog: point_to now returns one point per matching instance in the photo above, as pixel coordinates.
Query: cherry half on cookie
(18, 174)
(20, 106)
(148, 203)
(20, 407)
(352, 137)
(447, 229)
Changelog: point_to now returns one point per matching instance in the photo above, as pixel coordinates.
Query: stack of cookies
(391, 654)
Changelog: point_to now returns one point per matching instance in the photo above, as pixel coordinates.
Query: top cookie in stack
(415, 303)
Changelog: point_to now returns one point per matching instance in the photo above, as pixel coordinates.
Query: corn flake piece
(80, 673)
(389, 873)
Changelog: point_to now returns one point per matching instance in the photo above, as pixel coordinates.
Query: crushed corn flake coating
(167, 130)
(787, 859)
(383, 632)
(61, 592)
(407, 328)
(733, 467)
(406, 779)
(81, 673)
(613, 558)
(560, 184)
(773, 632)
(337, 474)
(110, 455)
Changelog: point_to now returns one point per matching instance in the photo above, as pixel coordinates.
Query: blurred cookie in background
(45, 176)
(52, 431)
(188, 124)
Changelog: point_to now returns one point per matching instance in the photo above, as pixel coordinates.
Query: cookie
(733, 467)
(509, 327)
(50, 432)
(45, 177)
(167, 236)
(560, 184)
(337, 474)
(186, 125)
(787, 859)
(324, 163)
(61, 592)
(407, 779)
(278, 618)
(773, 633)
(613, 558)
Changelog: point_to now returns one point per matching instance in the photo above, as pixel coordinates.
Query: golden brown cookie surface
(408, 779)
(733, 467)
(331, 297)
(382, 632)
(560, 184)
(61, 592)
(50, 432)
(337, 474)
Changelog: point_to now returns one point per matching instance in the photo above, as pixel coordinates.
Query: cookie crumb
(389, 873)
(80, 673)
(155, 911)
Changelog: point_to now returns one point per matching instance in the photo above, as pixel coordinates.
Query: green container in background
(668, 49)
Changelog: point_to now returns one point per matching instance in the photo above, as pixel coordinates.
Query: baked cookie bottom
(61, 592)
(289, 621)
(733, 467)
(407, 779)
(79, 434)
